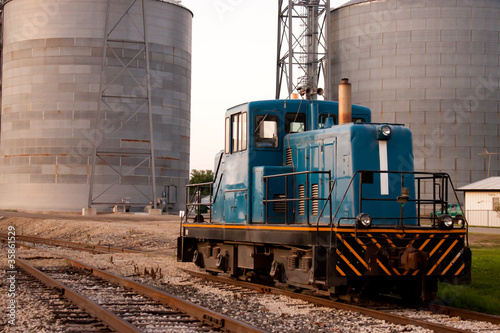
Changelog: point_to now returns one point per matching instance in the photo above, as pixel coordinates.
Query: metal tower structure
(302, 59)
(125, 57)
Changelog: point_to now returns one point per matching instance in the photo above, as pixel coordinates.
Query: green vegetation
(201, 176)
(483, 295)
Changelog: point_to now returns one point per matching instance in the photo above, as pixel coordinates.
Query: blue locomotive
(303, 201)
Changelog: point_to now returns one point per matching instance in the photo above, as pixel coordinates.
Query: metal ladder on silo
(100, 153)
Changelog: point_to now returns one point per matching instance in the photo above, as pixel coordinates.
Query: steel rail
(109, 318)
(392, 318)
(438, 308)
(72, 245)
(207, 316)
(462, 313)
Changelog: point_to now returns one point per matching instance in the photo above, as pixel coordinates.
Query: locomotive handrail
(307, 197)
(328, 200)
(218, 166)
(427, 175)
(434, 201)
(217, 190)
(295, 174)
(323, 209)
(199, 184)
(197, 193)
(189, 199)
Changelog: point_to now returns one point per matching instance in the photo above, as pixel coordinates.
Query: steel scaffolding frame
(123, 106)
(303, 39)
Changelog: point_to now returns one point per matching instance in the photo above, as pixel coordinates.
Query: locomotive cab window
(295, 122)
(266, 131)
(236, 133)
(227, 141)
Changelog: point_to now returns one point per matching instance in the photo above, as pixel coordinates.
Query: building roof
(488, 184)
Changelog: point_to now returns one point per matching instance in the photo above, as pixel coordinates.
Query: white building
(482, 202)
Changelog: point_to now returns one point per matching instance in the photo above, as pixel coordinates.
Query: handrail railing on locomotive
(419, 201)
(190, 206)
(442, 199)
(285, 200)
(197, 194)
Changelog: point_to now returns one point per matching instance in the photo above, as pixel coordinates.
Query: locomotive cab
(299, 200)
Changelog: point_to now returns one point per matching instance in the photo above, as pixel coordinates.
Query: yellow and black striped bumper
(401, 253)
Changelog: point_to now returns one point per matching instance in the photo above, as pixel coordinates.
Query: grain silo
(55, 72)
(433, 66)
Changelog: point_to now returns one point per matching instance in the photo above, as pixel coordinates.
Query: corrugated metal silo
(432, 65)
(52, 63)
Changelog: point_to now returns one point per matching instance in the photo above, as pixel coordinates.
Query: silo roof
(353, 2)
(488, 184)
(177, 3)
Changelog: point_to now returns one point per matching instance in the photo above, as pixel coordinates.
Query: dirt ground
(484, 240)
(137, 231)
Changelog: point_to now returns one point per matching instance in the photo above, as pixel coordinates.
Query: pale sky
(234, 61)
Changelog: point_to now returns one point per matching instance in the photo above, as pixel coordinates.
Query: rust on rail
(112, 320)
(205, 315)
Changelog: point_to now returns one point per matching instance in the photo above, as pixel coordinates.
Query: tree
(201, 176)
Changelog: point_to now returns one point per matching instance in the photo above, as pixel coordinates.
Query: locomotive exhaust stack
(345, 102)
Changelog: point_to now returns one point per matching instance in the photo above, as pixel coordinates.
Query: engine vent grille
(279, 207)
(289, 157)
(315, 201)
(302, 203)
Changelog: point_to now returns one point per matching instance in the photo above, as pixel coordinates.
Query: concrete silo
(52, 66)
(432, 65)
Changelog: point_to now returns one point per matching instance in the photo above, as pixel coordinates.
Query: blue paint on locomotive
(348, 148)
(277, 137)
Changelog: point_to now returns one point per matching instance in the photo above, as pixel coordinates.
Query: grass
(483, 294)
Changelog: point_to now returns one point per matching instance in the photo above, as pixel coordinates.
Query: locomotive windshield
(295, 122)
(266, 131)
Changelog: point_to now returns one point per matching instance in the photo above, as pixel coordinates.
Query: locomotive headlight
(459, 220)
(445, 222)
(384, 132)
(364, 220)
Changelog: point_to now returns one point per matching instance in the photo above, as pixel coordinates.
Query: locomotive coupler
(407, 258)
(413, 259)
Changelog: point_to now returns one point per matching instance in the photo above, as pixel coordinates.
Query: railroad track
(437, 308)
(127, 306)
(385, 314)
(67, 314)
(390, 314)
(25, 240)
